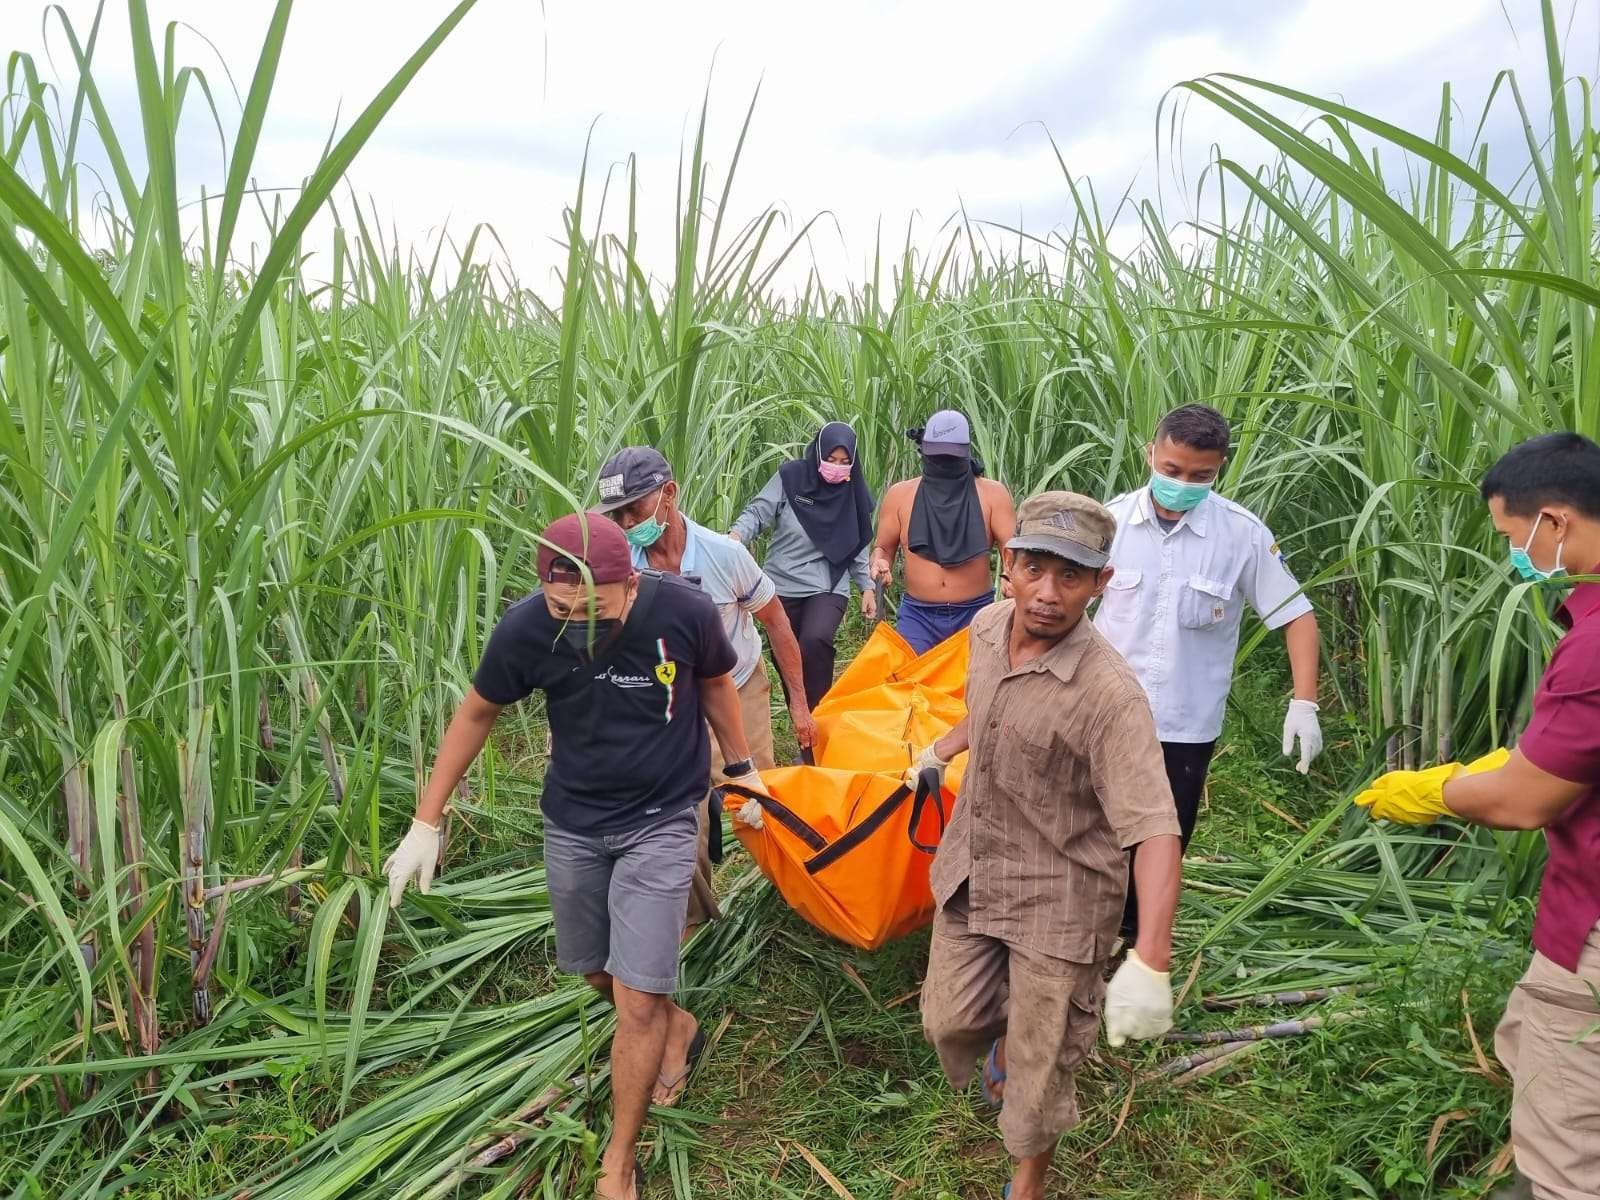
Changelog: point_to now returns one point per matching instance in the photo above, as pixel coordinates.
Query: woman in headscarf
(819, 510)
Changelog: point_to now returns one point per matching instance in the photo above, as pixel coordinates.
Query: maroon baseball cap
(591, 538)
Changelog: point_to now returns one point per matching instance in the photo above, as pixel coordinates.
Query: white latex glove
(929, 757)
(1138, 1002)
(1301, 722)
(749, 812)
(414, 858)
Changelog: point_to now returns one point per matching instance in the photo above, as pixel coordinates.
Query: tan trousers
(1549, 1040)
(1048, 1009)
(755, 708)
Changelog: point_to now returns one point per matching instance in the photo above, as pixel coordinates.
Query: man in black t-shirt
(633, 667)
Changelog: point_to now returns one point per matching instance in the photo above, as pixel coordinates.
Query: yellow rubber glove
(1417, 797)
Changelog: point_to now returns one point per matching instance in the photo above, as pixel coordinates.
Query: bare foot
(674, 1074)
(615, 1184)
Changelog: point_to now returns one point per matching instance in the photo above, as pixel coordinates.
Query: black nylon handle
(928, 788)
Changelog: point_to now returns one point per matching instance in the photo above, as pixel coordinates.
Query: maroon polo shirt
(1564, 739)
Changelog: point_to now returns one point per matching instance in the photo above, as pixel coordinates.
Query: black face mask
(589, 636)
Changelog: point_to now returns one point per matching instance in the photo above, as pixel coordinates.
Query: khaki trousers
(1549, 1040)
(755, 707)
(980, 988)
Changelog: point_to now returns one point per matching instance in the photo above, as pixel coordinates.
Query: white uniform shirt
(736, 584)
(1174, 604)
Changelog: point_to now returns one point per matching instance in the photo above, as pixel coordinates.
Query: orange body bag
(847, 841)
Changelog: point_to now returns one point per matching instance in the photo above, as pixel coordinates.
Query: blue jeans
(925, 625)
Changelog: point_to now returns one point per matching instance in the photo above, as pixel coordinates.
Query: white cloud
(879, 113)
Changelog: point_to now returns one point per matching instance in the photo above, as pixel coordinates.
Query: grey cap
(1067, 525)
(630, 473)
(947, 432)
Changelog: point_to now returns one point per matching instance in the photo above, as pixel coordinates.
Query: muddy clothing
(980, 988)
(1186, 765)
(755, 707)
(1063, 777)
(1549, 1043)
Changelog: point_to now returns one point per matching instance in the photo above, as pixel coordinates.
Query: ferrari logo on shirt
(667, 673)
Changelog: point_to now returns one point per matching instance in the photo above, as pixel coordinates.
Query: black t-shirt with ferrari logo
(630, 745)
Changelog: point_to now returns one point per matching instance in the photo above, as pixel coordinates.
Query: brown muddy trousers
(1063, 777)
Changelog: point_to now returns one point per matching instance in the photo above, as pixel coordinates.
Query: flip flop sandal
(992, 1076)
(697, 1045)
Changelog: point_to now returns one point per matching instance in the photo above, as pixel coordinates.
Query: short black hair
(1553, 468)
(1198, 426)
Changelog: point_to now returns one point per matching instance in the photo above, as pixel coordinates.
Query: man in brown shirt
(1064, 777)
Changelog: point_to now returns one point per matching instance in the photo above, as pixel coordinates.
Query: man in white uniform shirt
(1187, 561)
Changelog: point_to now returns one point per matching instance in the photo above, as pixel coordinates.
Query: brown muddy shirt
(1063, 776)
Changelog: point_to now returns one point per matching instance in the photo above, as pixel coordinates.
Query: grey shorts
(619, 900)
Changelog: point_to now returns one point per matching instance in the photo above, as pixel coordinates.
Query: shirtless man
(948, 520)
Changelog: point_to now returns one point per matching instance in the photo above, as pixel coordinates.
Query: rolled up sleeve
(1129, 773)
(753, 588)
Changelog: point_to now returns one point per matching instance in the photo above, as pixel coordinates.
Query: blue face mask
(648, 532)
(1176, 496)
(1523, 563)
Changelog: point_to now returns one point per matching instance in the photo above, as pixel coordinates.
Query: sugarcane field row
(1040, 719)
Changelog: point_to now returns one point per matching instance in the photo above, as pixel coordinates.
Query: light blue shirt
(738, 587)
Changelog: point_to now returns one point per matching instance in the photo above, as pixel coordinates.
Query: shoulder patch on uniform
(1233, 506)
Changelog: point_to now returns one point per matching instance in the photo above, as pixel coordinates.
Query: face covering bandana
(647, 533)
(1176, 496)
(1524, 564)
(833, 472)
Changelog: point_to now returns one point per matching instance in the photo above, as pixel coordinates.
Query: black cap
(631, 472)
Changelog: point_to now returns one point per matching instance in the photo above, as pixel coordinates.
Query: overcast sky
(876, 114)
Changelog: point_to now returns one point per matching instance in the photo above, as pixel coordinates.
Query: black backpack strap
(649, 585)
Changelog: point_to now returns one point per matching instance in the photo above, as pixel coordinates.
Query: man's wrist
(1156, 956)
(738, 769)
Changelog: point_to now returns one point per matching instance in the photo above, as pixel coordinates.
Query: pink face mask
(833, 472)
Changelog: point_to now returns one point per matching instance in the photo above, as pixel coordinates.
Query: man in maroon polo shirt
(1544, 496)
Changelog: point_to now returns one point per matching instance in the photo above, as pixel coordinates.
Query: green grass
(810, 1059)
(257, 518)
(821, 1048)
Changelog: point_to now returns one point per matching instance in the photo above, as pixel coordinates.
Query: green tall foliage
(255, 522)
